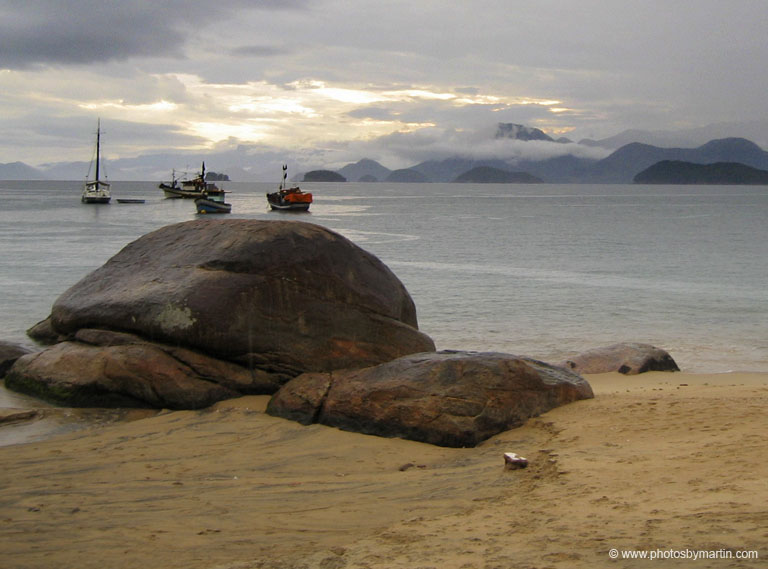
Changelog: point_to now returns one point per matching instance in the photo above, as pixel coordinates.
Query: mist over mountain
(521, 132)
(511, 147)
(756, 130)
(618, 168)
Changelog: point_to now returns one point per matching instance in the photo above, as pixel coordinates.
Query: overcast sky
(384, 79)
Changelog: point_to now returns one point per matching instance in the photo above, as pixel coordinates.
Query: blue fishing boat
(212, 201)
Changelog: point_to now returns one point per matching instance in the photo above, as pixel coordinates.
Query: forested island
(679, 172)
(323, 176)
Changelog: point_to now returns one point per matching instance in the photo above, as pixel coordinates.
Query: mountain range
(620, 167)
(567, 165)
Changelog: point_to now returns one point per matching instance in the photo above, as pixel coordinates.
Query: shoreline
(659, 460)
(52, 420)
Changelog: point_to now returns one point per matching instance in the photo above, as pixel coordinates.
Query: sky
(333, 81)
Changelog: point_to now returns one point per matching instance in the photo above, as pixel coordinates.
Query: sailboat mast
(98, 144)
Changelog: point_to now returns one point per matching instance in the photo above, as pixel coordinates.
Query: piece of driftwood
(513, 460)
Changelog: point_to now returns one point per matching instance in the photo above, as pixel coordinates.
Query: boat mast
(285, 175)
(98, 143)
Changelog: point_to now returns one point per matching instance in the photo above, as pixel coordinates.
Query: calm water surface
(537, 270)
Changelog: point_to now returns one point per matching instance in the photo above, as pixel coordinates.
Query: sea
(540, 270)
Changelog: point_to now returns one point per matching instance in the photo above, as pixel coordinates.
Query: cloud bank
(404, 79)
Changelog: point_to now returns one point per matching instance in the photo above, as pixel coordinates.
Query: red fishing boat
(289, 199)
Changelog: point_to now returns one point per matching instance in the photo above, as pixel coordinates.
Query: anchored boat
(96, 190)
(190, 189)
(212, 201)
(289, 199)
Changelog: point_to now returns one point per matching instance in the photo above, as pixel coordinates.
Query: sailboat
(96, 190)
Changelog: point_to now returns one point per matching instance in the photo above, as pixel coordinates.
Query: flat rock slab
(454, 399)
(627, 358)
(107, 369)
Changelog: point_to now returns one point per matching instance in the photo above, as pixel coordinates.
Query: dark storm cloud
(67, 32)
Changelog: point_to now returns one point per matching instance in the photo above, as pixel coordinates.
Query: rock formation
(275, 294)
(98, 368)
(455, 399)
(268, 299)
(626, 358)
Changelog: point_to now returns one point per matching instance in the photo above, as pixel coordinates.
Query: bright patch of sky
(367, 76)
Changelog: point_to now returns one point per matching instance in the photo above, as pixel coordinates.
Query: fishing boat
(289, 199)
(96, 190)
(190, 189)
(212, 201)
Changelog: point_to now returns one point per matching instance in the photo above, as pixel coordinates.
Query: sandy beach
(659, 462)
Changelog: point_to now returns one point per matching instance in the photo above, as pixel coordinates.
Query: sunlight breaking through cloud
(161, 106)
(259, 111)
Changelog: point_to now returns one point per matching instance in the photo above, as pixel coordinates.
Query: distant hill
(564, 169)
(620, 167)
(678, 172)
(629, 160)
(489, 175)
(366, 168)
(323, 176)
(449, 169)
(407, 175)
(216, 177)
(20, 171)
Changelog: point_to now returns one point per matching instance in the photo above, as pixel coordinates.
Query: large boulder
(106, 369)
(627, 358)
(281, 296)
(455, 399)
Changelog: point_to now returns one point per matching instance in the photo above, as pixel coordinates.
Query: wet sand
(659, 461)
